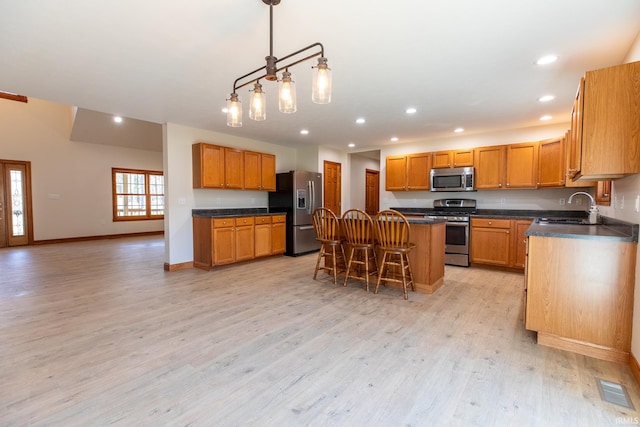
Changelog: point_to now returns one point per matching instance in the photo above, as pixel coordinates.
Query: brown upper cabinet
(507, 166)
(452, 159)
(606, 124)
(408, 173)
(229, 168)
(551, 162)
(603, 193)
(259, 171)
(570, 154)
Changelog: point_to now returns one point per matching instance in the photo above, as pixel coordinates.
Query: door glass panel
(17, 203)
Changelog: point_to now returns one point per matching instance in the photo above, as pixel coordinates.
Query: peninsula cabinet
(408, 173)
(452, 159)
(499, 242)
(605, 124)
(579, 295)
(259, 171)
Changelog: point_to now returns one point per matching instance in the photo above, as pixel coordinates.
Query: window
(137, 195)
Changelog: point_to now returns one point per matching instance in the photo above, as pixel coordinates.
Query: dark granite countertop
(609, 229)
(231, 212)
(503, 213)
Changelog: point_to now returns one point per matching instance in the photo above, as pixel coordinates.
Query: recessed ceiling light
(410, 110)
(545, 118)
(458, 130)
(351, 145)
(546, 98)
(117, 119)
(304, 132)
(394, 139)
(360, 120)
(548, 59)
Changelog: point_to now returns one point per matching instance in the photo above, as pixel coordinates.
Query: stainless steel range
(456, 213)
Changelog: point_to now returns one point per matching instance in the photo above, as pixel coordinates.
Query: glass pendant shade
(258, 108)
(287, 94)
(234, 111)
(321, 91)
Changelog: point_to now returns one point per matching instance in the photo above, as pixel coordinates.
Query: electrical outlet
(637, 207)
(561, 202)
(622, 202)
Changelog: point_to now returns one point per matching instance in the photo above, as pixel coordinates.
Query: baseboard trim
(635, 367)
(178, 267)
(584, 348)
(101, 237)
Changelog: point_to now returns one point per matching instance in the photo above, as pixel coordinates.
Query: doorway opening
(333, 186)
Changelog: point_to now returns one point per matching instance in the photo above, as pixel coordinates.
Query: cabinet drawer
(263, 220)
(245, 220)
(223, 222)
(490, 222)
(278, 218)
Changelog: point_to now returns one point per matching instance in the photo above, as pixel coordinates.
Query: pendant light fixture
(320, 93)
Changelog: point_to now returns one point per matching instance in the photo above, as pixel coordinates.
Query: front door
(15, 203)
(332, 186)
(372, 191)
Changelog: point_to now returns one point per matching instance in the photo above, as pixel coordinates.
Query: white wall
(181, 197)
(71, 181)
(624, 193)
(357, 181)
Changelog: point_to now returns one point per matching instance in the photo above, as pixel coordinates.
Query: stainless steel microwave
(453, 179)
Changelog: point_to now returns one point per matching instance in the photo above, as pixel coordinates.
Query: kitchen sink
(565, 221)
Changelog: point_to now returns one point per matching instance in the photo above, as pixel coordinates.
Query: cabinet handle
(507, 231)
(606, 195)
(508, 184)
(500, 185)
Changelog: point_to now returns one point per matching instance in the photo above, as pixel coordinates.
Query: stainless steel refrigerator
(298, 194)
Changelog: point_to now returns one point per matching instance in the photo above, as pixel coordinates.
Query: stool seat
(393, 234)
(327, 228)
(360, 241)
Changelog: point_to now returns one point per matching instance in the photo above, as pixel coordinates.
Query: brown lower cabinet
(220, 241)
(579, 295)
(499, 242)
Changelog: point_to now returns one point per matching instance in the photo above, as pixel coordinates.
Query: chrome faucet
(593, 209)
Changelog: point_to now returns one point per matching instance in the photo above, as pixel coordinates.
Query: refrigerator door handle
(312, 196)
(306, 227)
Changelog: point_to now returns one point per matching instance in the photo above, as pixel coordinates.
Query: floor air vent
(614, 393)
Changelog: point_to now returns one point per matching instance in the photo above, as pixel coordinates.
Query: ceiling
(460, 63)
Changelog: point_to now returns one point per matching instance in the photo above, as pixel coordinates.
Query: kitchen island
(427, 258)
(579, 286)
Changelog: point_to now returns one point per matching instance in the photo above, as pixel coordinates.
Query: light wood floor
(97, 333)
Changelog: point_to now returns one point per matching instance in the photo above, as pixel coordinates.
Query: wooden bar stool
(394, 240)
(327, 229)
(359, 233)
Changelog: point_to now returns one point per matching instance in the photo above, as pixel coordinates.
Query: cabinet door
(441, 159)
(224, 245)
(396, 173)
(262, 238)
(603, 193)
(575, 141)
(245, 242)
(233, 168)
(418, 167)
(252, 171)
(490, 241)
(551, 159)
(208, 166)
(522, 165)
(268, 172)
(462, 158)
(278, 236)
(519, 243)
(489, 163)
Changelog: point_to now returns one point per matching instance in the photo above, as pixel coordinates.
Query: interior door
(15, 204)
(333, 187)
(372, 191)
